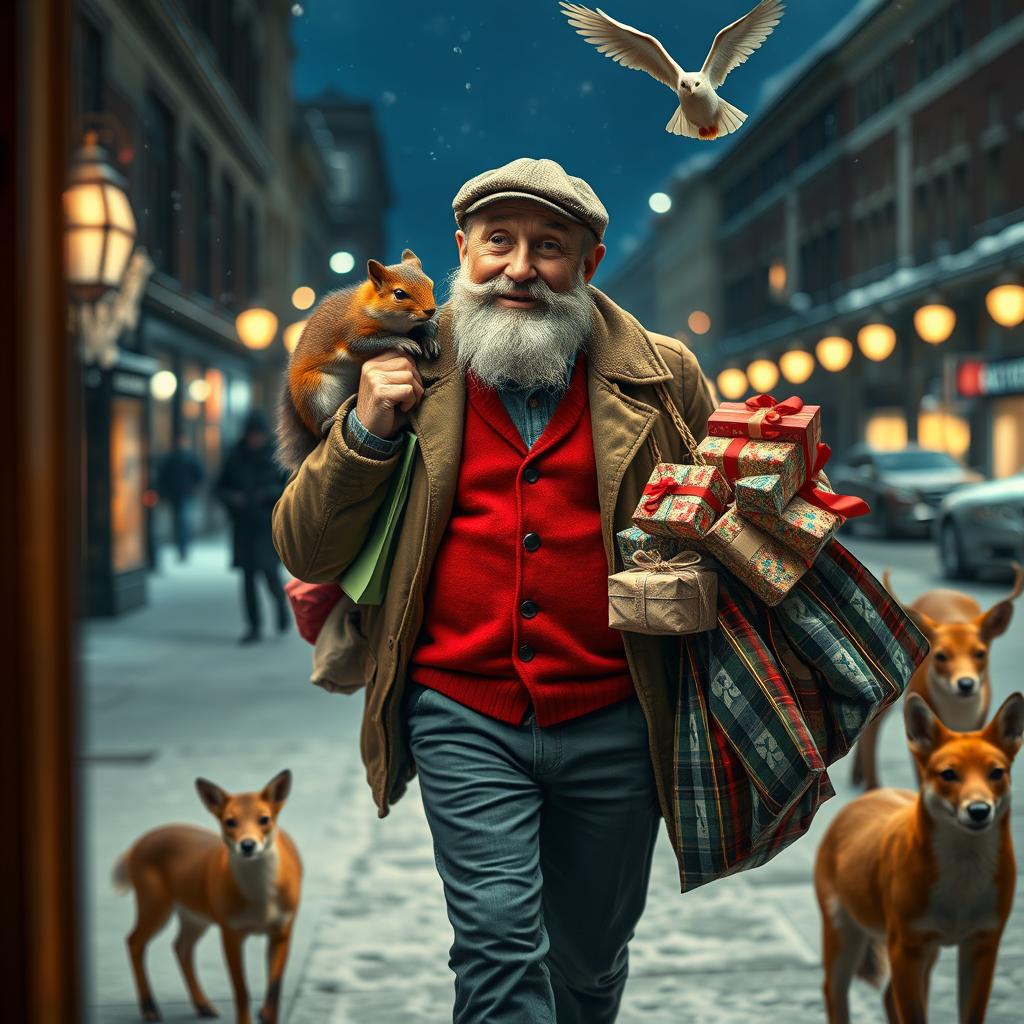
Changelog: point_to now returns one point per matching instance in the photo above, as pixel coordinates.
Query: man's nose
(519, 267)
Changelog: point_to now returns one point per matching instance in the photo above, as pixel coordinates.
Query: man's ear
(212, 796)
(375, 271)
(591, 262)
(460, 244)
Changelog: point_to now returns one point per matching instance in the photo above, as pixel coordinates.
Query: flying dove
(702, 113)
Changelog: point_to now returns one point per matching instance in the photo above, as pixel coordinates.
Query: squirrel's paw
(426, 333)
(409, 346)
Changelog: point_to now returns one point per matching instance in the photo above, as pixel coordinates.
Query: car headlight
(902, 494)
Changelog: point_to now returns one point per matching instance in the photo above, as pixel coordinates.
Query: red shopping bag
(311, 604)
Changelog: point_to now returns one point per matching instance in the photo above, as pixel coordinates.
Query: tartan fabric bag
(772, 697)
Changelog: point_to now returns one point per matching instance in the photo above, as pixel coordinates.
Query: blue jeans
(543, 839)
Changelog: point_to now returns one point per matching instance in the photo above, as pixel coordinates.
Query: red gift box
(764, 419)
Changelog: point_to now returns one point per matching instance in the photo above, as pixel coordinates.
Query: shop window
(1008, 437)
(213, 415)
(228, 243)
(158, 213)
(202, 215)
(128, 480)
(944, 432)
(886, 430)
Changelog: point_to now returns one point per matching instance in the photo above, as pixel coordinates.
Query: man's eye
(498, 239)
(553, 245)
(399, 294)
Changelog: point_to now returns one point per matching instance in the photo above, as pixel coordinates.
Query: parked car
(904, 488)
(981, 527)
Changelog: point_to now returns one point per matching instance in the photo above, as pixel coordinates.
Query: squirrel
(392, 309)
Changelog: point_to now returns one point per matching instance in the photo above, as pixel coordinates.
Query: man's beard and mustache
(526, 348)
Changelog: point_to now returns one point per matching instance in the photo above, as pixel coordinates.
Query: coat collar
(618, 347)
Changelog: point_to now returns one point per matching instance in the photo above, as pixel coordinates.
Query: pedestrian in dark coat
(178, 477)
(249, 485)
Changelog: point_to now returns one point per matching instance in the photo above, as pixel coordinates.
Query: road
(168, 696)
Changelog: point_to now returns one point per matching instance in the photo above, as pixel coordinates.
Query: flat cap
(543, 181)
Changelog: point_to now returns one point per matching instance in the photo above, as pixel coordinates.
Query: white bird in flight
(702, 113)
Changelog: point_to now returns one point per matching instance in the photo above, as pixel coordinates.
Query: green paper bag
(365, 580)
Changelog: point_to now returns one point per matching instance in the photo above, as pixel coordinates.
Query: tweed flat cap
(543, 181)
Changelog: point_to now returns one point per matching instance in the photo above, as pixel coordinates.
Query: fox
(247, 880)
(900, 874)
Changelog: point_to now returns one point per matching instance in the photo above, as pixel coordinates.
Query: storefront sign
(975, 378)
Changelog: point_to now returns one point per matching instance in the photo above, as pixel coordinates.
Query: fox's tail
(121, 878)
(729, 117)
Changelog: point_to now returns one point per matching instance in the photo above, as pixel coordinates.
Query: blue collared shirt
(530, 409)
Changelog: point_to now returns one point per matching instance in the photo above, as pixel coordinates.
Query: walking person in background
(249, 485)
(178, 477)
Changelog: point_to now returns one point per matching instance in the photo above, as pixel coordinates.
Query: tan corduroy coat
(325, 512)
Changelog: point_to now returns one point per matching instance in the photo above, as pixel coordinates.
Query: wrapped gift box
(737, 458)
(764, 564)
(662, 598)
(801, 526)
(761, 494)
(762, 418)
(635, 539)
(682, 501)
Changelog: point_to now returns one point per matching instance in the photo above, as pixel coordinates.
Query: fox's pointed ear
(375, 270)
(923, 728)
(212, 795)
(995, 621)
(276, 791)
(923, 622)
(1006, 729)
(408, 256)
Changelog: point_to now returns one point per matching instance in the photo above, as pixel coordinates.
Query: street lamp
(99, 231)
(303, 297)
(763, 375)
(1005, 302)
(834, 353)
(934, 322)
(732, 383)
(699, 322)
(292, 333)
(796, 365)
(876, 341)
(256, 327)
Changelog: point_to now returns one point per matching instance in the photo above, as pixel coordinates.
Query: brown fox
(392, 309)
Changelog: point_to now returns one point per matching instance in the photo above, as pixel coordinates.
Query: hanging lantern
(99, 232)
(934, 322)
(256, 327)
(162, 385)
(796, 365)
(1005, 303)
(777, 278)
(876, 341)
(834, 353)
(763, 375)
(303, 297)
(699, 322)
(292, 333)
(732, 384)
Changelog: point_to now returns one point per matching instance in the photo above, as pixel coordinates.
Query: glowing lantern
(763, 375)
(934, 323)
(796, 365)
(699, 322)
(1005, 304)
(777, 278)
(256, 327)
(303, 297)
(732, 384)
(162, 385)
(876, 341)
(834, 353)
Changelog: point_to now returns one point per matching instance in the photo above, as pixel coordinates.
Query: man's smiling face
(525, 241)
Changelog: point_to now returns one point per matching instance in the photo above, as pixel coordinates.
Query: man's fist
(389, 386)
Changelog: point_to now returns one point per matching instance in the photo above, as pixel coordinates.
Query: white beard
(525, 348)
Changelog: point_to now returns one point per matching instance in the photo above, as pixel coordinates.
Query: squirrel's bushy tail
(294, 441)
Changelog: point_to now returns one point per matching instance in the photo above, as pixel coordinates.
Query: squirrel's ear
(408, 256)
(376, 271)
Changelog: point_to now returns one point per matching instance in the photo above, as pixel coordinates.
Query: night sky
(468, 85)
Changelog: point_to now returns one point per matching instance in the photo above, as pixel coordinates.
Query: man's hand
(389, 386)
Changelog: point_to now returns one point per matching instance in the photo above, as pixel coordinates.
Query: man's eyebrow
(503, 219)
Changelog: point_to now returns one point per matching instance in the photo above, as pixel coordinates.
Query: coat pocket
(343, 658)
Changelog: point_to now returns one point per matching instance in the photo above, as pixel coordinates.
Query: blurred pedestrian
(178, 476)
(249, 485)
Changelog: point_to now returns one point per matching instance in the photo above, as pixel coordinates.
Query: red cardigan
(516, 609)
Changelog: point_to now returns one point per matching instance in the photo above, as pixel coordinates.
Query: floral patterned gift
(801, 526)
(763, 563)
(761, 417)
(764, 494)
(682, 500)
(635, 539)
(737, 457)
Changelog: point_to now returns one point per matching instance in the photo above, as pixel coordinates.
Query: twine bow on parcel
(647, 562)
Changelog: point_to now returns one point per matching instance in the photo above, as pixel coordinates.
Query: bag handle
(680, 424)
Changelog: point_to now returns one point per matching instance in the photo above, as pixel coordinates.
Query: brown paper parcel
(662, 597)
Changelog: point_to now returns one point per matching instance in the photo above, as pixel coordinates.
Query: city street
(169, 696)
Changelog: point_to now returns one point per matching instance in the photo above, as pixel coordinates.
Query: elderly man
(542, 738)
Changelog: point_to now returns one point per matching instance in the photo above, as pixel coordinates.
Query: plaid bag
(772, 697)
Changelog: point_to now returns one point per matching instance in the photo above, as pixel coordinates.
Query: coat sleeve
(322, 519)
(694, 394)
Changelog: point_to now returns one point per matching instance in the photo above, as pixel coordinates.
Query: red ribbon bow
(655, 492)
(769, 411)
(845, 505)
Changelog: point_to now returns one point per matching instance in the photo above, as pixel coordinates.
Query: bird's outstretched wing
(736, 42)
(628, 46)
